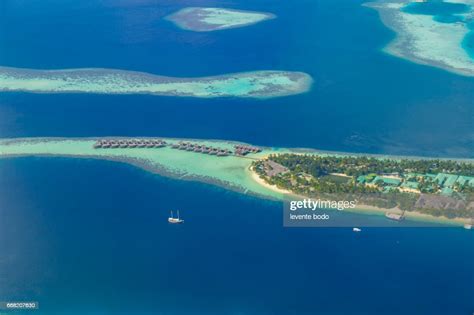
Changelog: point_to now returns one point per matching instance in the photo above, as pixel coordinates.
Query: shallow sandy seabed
(422, 40)
(230, 172)
(213, 19)
(257, 84)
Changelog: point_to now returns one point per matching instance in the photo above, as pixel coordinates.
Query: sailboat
(174, 220)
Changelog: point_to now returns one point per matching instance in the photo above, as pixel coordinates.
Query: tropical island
(435, 33)
(200, 19)
(257, 84)
(432, 188)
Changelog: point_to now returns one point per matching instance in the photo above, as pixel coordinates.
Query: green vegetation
(355, 166)
(437, 187)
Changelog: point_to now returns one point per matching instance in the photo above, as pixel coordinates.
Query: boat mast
(178, 214)
(171, 213)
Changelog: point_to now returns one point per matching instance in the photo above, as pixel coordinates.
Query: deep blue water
(437, 8)
(91, 237)
(362, 101)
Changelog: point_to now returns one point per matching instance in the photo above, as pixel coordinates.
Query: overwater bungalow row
(180, 145)
(241, 152)
(130, 143)
(223, 152)
(198, 148)
(105, 144)
(101, 144)
(245, 149)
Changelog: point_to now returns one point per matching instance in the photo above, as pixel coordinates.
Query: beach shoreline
(369, 209)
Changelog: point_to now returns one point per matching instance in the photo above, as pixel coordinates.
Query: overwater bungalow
(241, 152)
(102, 144)
(245, 149)
(159, 143)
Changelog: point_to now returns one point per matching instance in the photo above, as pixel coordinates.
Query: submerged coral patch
(213, 19)
(432, 33)
(257, 84)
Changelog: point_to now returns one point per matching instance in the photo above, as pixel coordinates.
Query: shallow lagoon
(258, 84)
(431, 33)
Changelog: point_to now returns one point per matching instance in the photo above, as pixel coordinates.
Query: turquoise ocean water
(91, 237)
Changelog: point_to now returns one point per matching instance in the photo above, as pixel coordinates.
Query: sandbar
(199, 19)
